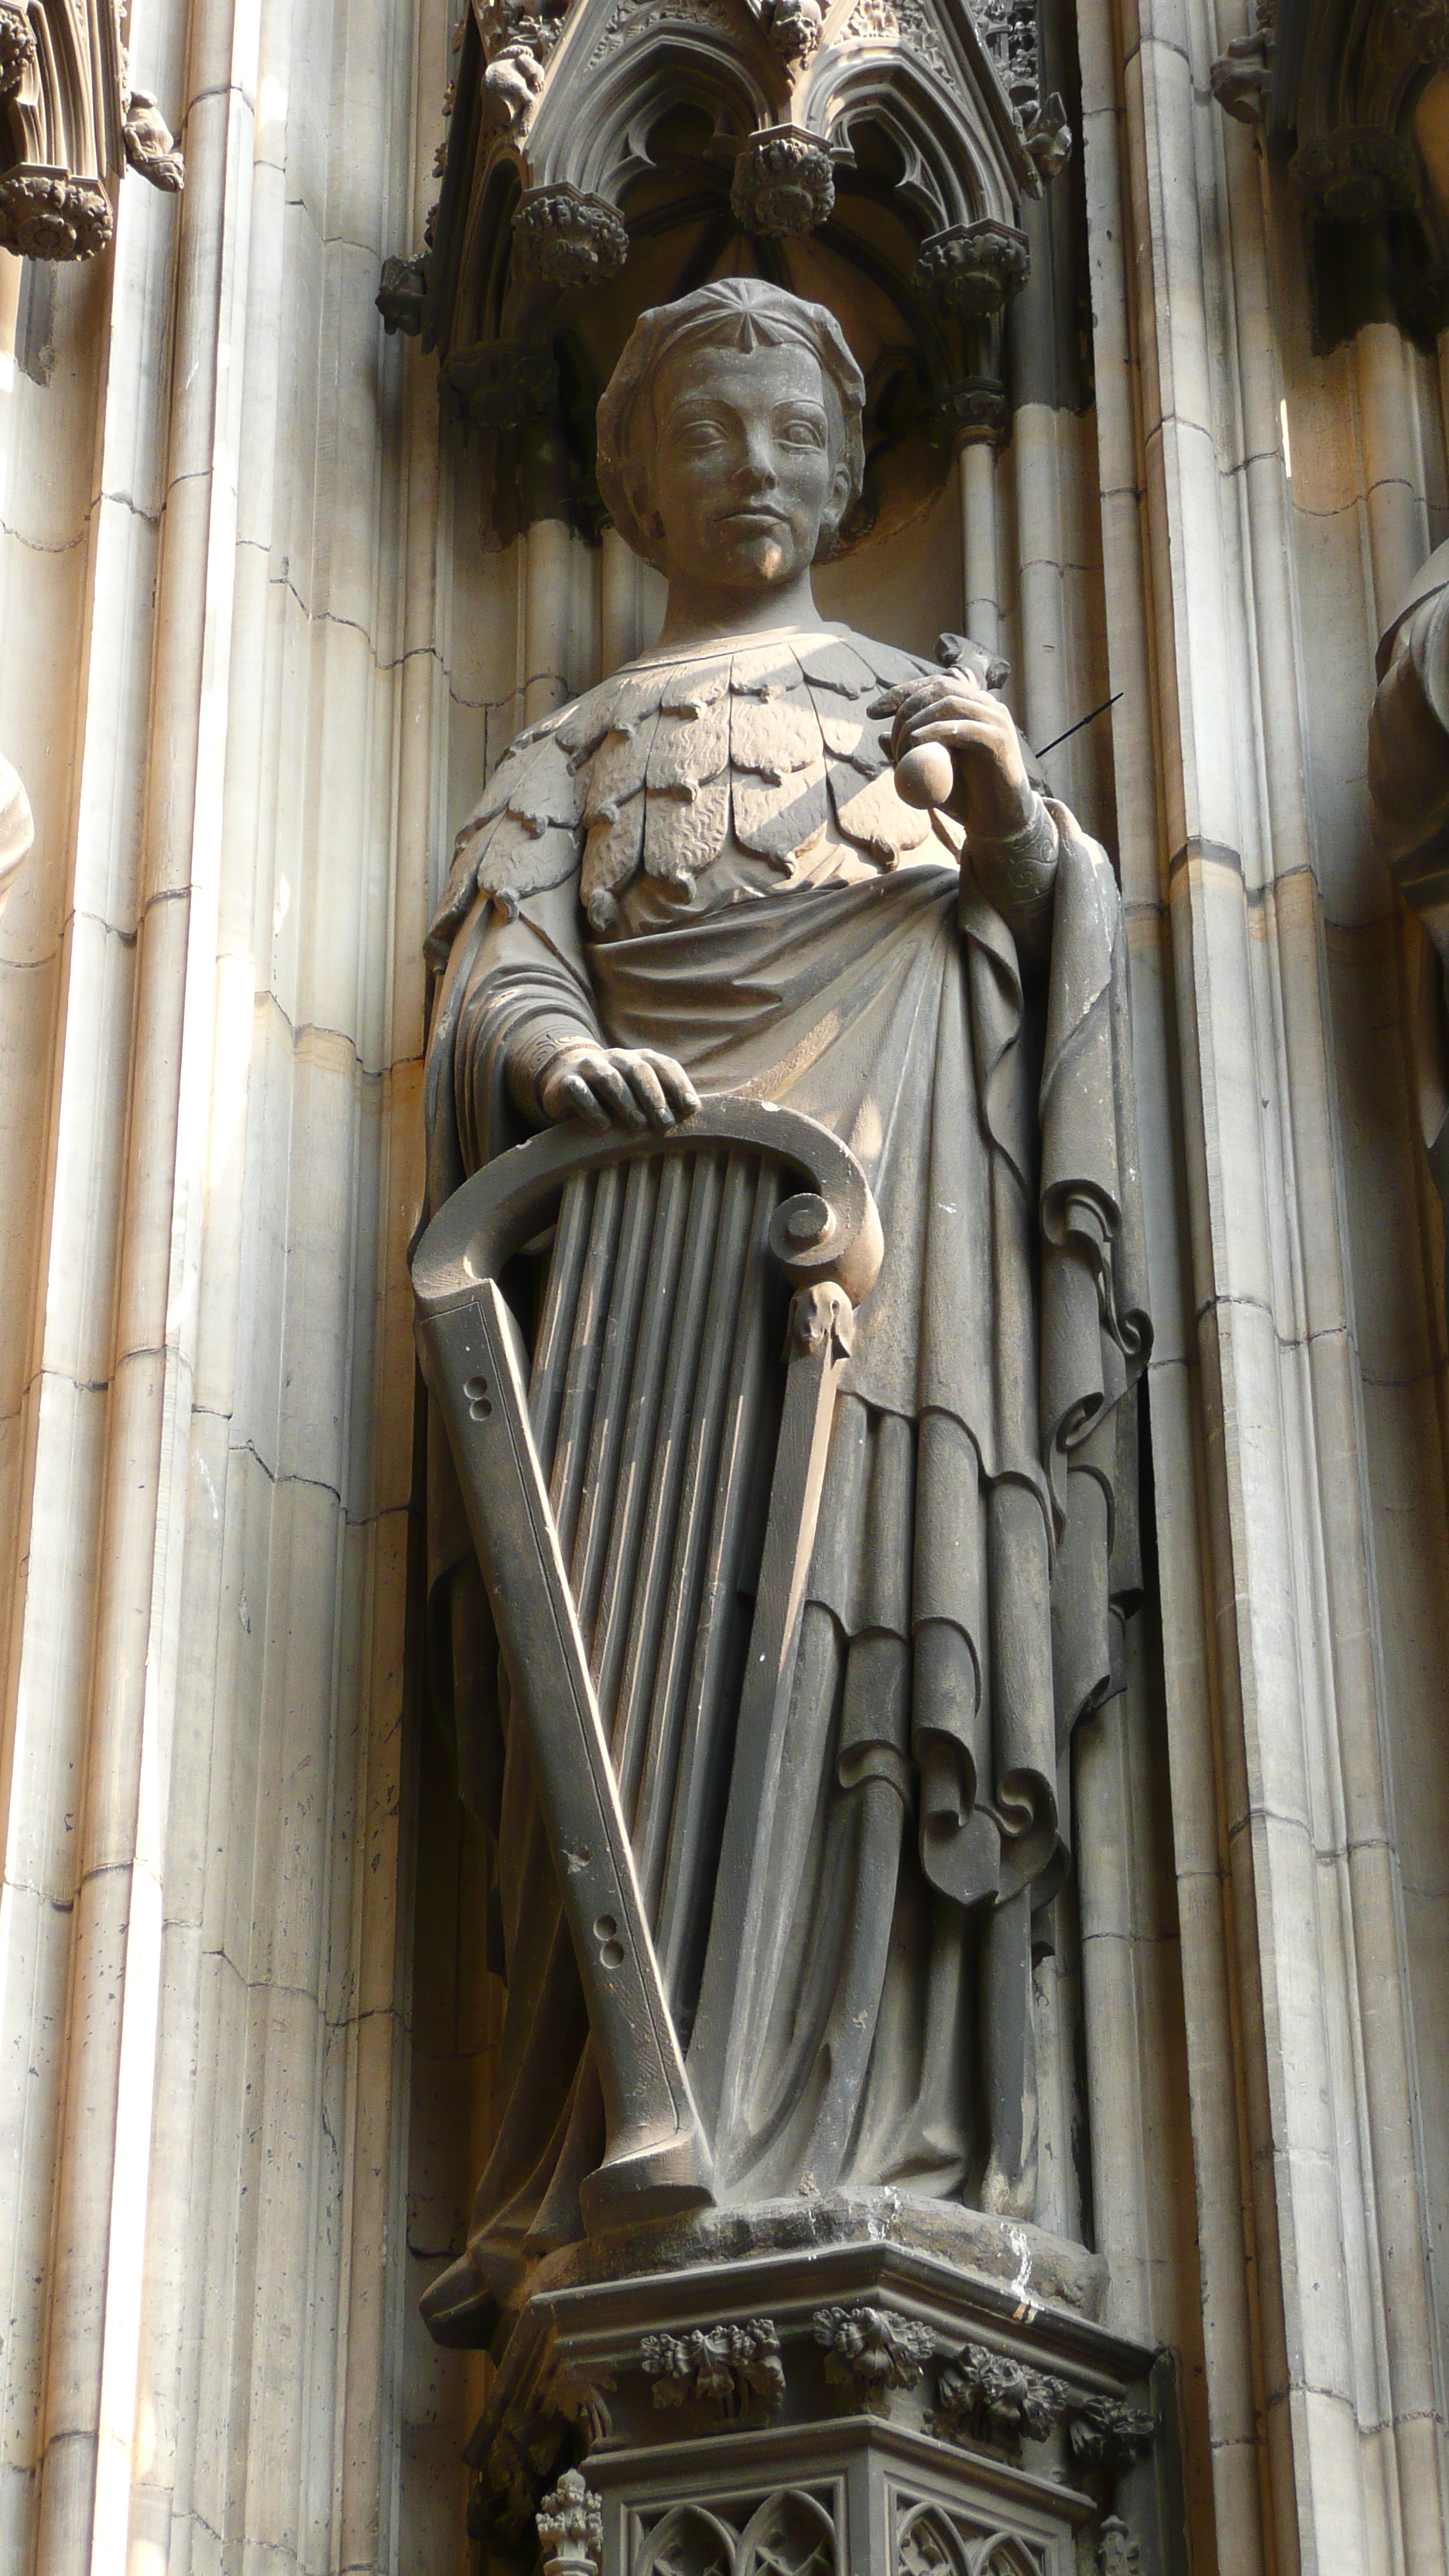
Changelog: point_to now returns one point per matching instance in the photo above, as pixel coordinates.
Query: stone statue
(774, 864)
(1409, 787)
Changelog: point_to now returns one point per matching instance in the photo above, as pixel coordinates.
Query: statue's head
(729, 438)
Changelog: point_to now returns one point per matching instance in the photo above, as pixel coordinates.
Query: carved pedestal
(838, 2400)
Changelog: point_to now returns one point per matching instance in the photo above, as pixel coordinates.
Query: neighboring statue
(17, 827)
(1408, 774)
(775, 859)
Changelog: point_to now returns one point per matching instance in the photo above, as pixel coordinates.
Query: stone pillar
(618, 603)
(1318, 2332)
(981, 581)
(217, 671)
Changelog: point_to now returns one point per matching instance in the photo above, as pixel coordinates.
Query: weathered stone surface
(568, 239)
(975, 268)
(826, 2433)
(783, 184)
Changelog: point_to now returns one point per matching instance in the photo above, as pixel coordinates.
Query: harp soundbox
(632, 1481)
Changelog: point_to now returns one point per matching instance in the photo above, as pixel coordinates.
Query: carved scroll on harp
(610, 1482)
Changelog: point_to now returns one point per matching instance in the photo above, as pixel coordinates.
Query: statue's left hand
(991, 793)
(619, 1087)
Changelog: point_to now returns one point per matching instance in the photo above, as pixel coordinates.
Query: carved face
(748, 464)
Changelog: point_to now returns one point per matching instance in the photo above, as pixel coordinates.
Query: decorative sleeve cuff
(1019, 874)
(532, 1051)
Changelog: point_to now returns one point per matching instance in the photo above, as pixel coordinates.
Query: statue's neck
(699, 613)
(708, 648)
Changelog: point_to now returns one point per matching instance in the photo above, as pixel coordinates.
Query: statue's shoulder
(885, 664)
(522, 836)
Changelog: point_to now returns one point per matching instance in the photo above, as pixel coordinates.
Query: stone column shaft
(981, 581)
(1335, 2353)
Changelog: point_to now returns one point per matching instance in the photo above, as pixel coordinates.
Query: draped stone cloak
(706, 855)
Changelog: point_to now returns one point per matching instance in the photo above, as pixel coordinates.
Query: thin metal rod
(1079, 727)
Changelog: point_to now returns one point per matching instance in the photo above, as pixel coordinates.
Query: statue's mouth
(756, 517)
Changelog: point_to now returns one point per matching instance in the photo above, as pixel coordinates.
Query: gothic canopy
(606, 155)
(71, 119)
(1353, 100)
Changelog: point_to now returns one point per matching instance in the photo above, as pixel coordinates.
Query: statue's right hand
(629, 1087)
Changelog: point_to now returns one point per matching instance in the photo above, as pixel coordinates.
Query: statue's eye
(801, 431)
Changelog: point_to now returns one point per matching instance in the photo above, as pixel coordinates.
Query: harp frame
(659, 2114)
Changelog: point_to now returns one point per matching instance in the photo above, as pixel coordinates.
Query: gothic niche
(1352, 97)
(617, 154)
(70, 122)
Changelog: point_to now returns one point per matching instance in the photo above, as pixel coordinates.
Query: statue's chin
(753, 561)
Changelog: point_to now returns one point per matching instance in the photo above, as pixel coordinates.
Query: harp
(617, 1477)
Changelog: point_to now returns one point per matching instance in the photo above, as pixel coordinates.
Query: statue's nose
(757, 465)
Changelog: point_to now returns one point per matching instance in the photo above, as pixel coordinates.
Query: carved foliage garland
(871, 2350)
(997, 2399)
(721, 2368)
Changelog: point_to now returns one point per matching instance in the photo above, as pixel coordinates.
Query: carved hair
(733, 313)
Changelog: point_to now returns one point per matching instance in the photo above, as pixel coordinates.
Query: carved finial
(568, 239)
(974, 268)
(783, 183)
(44, 214)
(570, 2524)
(1117, 2551)
(18, 55)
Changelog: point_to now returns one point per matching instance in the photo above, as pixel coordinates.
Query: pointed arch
(789, 2530)
(927, 2544)
(599, 101)
(955, 171)
(689, 2541)
(1007, 2553)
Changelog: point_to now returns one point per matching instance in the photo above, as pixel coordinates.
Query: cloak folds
(976, 1545)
